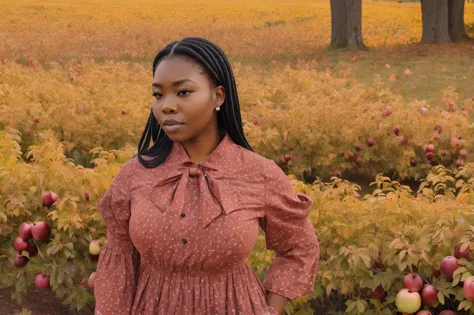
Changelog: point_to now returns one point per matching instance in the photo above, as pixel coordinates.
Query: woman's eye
(156, 94)
(185, 91)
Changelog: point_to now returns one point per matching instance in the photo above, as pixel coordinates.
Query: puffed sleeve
(117, 268)
(290, 233)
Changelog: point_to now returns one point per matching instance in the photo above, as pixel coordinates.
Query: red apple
(437, 127)
(464, 254)
(429, 148)
(32, 250)
(256, 122)
(448, 312)
(379, 293)
(25, 230)
(287, 157)
(49, 198)
(20, 245)
(436, 273)
(387, 111)
(468, 288)
(396, 130)
(358, 160)
(350, 154)
(408, 301)
(86, 195)
(423, 110)
(430, 155)
(36, 120)
(429, 295)
(124, 112)
(20, 261)
(443, 152)
(42, 281)
(402, 140)
(370, 142)
(412, 162)
(436, 137)
(463, 152)
(358, 147)
(413, 282)
(83, 283)
(94, 247)
(459, 162)
(40, 231)
(91, 281)
(424, 312)
(448, 265)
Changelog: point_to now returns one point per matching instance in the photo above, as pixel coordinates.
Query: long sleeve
(290, 233)
(119, 261)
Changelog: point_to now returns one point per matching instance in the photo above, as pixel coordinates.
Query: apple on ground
(91, 281)
(413, 282)
(20, 261)
(20, 245)
(464, 254)
(24, 231)
(42, 281)
(468, 288)
(94, 247)
(49, 198)
(408, 301)
(40, 231)
(429, 295)
(448, 265)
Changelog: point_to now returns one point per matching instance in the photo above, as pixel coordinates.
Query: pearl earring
(218, 108)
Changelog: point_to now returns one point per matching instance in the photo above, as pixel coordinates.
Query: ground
(38, 302)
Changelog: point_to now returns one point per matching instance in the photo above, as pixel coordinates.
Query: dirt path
(39, 302)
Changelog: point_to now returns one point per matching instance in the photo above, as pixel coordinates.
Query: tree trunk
(434, 14)
(346, 24)
(456, 27)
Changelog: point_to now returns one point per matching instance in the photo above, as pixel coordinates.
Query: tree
(443, 21)
(346, 24)
(434, 16)
(457, 30)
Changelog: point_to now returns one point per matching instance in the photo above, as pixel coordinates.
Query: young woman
(183, 215)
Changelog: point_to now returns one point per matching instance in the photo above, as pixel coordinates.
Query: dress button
(184, 241)
(183, 215)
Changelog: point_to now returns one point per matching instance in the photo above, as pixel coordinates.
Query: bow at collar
(216, 195)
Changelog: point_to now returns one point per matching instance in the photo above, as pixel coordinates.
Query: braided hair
(217, 66)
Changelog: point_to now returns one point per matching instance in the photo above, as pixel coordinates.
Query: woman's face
(183, 92)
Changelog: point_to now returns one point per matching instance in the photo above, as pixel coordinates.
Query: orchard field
(381, 140)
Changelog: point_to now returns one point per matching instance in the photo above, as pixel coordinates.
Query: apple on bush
(413, 282)
(448, 312)
(408, 301)
(448, 265)
(429, 295)
(429, 148)
(468, 288)
(32, 250)
(379, 293)
(40, 231)
(24, 231)
(464, 254)
(287, 157)
(42, 281)
(94, 247)
(86, 195)
(20, 261)
(49, 198)
(396, 130)
(20, 245)
(387, 111)
(370, 142)
(424, 312)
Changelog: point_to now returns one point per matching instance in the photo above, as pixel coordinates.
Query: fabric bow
(216, 196)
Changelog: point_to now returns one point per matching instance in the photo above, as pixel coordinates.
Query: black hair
(218, 68)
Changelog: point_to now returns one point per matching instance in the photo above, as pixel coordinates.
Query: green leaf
(441, 297)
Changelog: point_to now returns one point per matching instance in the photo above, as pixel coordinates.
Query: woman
(183, 215)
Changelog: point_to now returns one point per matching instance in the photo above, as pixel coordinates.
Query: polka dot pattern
(179, 236)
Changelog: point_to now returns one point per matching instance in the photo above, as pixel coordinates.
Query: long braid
(215, 62)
